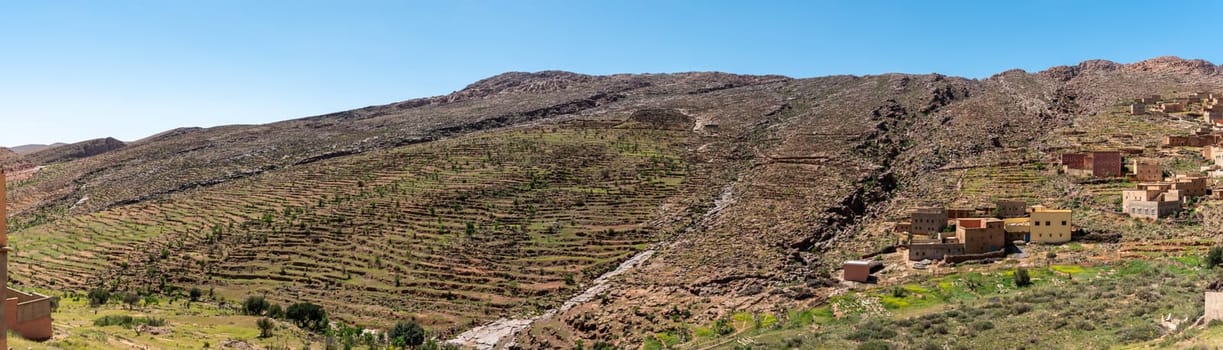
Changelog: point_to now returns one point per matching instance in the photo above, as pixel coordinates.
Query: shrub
(1021, 308)
(98, 297)
(1022, 279)
(194, 294)
(982, 325)
(265, 327)
(875, 345)
(407, 334)
(254, 305)
(126, 321)
(307, 316)
(131, 299)
(274, 311)
(899, 292)
(871, 329)
(723, 327)
(1214, 257)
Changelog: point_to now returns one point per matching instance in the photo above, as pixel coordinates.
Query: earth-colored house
(1172, 107)
(1011, 208)
(1151, 201)
(928, 220)
(1147, 169)
(860, 270)
(1138, 109)
(980, 235)
(1189, 185)
(1213, 154)
(934, 249)
(1097, 164)
(1050, 225)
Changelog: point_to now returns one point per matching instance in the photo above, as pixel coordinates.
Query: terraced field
(1015, 182)
(451, 232)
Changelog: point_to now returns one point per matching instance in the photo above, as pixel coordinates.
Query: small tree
(307, 316)
(1214, 257)
(131, 299)
(407, 334)
(98, 297)
(254, 305)
(1021, 278)
(274, 311)
(265, 327)
(194, 294)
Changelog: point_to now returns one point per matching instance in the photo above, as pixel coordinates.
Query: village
(936, 236)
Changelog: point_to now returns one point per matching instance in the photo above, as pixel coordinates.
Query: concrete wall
(966, 257)
(857, 273)
(1150, 209)
(30, 319)
(934, 251)
(1214, 306)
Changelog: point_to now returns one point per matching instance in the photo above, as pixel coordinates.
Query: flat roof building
(1151, 201)
(928, 220)
(980, 235)
(1147, 169)
(1050, 225)
(860, 270)
(1010, 208)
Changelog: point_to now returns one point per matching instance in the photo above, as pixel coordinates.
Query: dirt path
(500, 334)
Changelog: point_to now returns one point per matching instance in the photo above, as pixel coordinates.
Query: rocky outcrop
(1173, 65)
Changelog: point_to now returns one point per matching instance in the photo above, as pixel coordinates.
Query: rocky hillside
(11, 161)
(68, 152)
(748, 189)
(27, 149)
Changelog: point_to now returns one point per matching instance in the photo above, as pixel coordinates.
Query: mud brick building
(980, 235)
(1147, 170)
(1092, 164)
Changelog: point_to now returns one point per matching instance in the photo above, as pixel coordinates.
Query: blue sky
(75, 70)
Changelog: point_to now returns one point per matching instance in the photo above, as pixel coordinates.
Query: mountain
(27, 149)
(68, 152)
(729, 193)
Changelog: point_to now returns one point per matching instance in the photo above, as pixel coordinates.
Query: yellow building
(1050, 225)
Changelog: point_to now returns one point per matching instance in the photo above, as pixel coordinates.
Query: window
(1037, 223)
(1063, 223)
(1048, 224)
